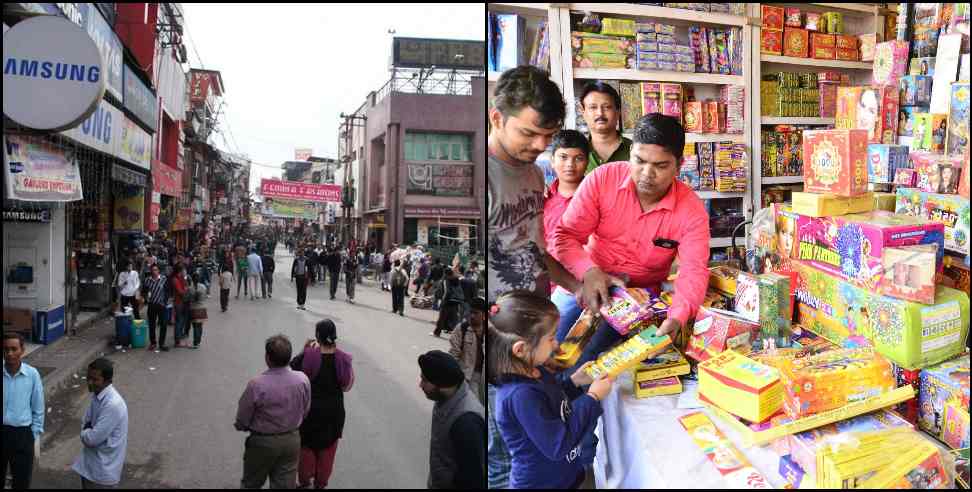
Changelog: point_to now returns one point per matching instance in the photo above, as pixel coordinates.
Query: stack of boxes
(791, 32)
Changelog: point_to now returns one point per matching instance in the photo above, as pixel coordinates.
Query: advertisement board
(423, 53)
(130, 213)
(140, 100)
(39, 171)
(440, 179)
(272, 188)
(166, 180)
(295, 209)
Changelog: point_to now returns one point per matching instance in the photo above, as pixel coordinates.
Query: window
(437, 147)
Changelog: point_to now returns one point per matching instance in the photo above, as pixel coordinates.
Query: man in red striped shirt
(631, 219)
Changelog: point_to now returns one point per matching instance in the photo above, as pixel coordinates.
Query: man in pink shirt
(631, 219)
(569, 160)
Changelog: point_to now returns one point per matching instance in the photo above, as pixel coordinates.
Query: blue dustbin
(123, 328)
(139, 333)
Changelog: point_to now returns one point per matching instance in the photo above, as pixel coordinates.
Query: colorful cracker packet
(577, 338)
(741, 386)
(835, 161)
(629, 353)
(716, 330)
(626, 311)
(833, 379)
(646, 388)
(664, 365)
(730, 462)
(937, 386)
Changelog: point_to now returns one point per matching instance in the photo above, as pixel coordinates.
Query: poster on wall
(440, 179)
(295, 209)
(39, 171)
(293, 190)
(130, 213)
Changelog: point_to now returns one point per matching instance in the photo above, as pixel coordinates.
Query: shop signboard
(39, 171)
(303, 154)
(110, 47)
(101, 131)
(166, 180)
(130, 213)
(153, 216)
(26, 215)
(136, 145)
(295, 209)
(440, 179)
(55, 84)
(121, 174)
(140, 100)
(451, 212)
(182, 220)
(459, 54)
(273, 188)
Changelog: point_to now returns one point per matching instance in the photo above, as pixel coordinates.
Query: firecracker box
(912, 272)
(874, 109)
(672, 100)
(617, 27)
(884, 160)
(666, 364)
(848, 100)
(824, 205)
(922, 66)
(772, 17)
(820, 40)
(847, 54)
(846, 41)
(829, 380)
(957, 142)
(852, 246)
(657, 387)
(938, 385)
(885, 201)
(867, 44)
(905, 177)
(794, 18)
(813, 22)
(828, 76)
(716, 330)
(770, 42)
(630, 104)
(828, 99)
(747, 297)
(952, 211)
(710, 117)
(956, 274)
(626, 310)
(650, 97)
(915, 90)
(921, 128)
(586, 43)
(910, 334)
(886, 126)
(963, 187)
(570, 349)
(908, 410)
(835, 161)
(935, 135)
(741, 386)
(822, 53)
(693, 117)
(604, 60)
(796, 42)
(936, 172)
(834, 21)
(789, 470)
(890, 62)
(955, 424)
(723, 278)
(647, 343)
(736, 471)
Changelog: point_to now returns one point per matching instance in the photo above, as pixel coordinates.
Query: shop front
(443, 230)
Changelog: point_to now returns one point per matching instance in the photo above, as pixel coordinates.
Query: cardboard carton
(716, 330)
(741, 386)
(938, 385)
(890, 62)
(884, 160)
(821, 205)
(796, 42)
(771, 42)
(835, 161)
(952, 211)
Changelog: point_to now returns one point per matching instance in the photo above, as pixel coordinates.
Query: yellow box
(741, 386)
(723, 278)
(821, 205)
(884, 201)
(576, 339)
(658, 387)
(630, 353)
(664, 365)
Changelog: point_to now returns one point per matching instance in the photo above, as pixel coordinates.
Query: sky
(290, 70)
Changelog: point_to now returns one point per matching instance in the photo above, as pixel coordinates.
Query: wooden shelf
(709, 195)
(657, 76)
(723, 242)
(527, 9)
(782, 179)
(853, 8)
(795, 120)
(707, 137)
(813, 62)
(691, 16)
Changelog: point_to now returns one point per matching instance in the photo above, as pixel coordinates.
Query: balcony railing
(445, 82)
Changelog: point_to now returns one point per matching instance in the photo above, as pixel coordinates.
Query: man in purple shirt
(272, 408)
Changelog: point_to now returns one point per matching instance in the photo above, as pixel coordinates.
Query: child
(541, 421)
(225, 284)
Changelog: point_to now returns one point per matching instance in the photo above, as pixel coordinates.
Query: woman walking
(330, 374)
(197, 311)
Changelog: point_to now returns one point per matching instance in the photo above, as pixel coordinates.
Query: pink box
(672, 100)
(905, 177)
(890, 62)
(852, 246)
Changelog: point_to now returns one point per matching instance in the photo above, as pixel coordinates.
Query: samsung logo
(48, 69)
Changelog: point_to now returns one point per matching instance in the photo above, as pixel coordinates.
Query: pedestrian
(155, 293)
(546, 441)
(350, 271)
(225, 284)
(271, 409)
(104, 431)
(469, 289)
(23, 411)
(452, 304)
(128, 285)
(197, 313)
(242, 269)
(333, 261)
(180, 305)
(299, 271)
(457, 454)
(386, 267)
(255, 273)
(468, 347)
(436, 275)
(312, 261)
(268, 268)
(362, 265)
(331, 375)
(399, 284)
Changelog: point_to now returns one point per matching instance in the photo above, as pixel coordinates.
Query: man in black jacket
(299, 272)
(266, 285)
(333, 262)
(312, 259)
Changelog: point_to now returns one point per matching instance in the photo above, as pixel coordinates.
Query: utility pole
(348, 191)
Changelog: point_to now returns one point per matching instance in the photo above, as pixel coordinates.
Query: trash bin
(123, 328)
(139, 333)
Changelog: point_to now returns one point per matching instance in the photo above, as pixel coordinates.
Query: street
(182, 403)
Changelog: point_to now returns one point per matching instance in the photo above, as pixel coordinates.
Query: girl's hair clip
(494, 309)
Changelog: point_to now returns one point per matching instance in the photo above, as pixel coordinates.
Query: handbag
(198, 314)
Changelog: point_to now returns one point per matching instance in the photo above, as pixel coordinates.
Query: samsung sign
(53, 74)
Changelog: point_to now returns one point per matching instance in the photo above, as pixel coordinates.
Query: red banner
(153, 217)
(166, 180)
(272, 188)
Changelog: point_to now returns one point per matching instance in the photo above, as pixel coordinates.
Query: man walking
(180, 304)
(154, 292)
(386, 267)
(312, 261)
(457, 455)
(104, 431)
(468, 347)
(255, 273)
(128, 284)
(350, 271)
(333, 260)
(271, 409)
(268, 267)
(23, 411)
(299, 271)
(399, 282)
(242, 268)
(225, 284)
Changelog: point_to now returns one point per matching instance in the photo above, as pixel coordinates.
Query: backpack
(399, 279)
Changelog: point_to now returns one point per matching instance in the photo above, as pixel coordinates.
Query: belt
(255, 433)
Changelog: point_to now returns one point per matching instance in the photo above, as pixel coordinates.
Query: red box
(886, 129)
(693, 117)
(818, 40)
(847, 42)
(828, 76)
(821, 53)
(813, 21)
(716, 331)
(796, 42)
(772, 17)
(771, 42)
(828, 99)
(794, 18)
(710, 117)
(835, 162)
(848, 55)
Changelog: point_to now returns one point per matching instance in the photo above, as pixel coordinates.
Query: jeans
(253, 279)
(569, 311)
(497, 456)
(301, 281)
(241, 280)
(448, 317)
(334, 283)
(156, 315)
(267, 285)
(224, 298)
(182, 321)
(350, 286)
(18, 452)
(130, 301)
(196, 333)
(398, 299)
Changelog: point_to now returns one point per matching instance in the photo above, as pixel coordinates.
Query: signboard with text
(39, 171)
(471, 213)
(423, 53)
(166, 180)
(272, 188)
(440, 179)
(140, 100)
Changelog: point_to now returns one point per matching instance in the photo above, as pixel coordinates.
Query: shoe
(434, 334)
(401, 314)
(153, 348)
(194, 347)
(164, 348)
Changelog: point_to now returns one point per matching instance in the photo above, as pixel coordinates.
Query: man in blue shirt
(23, 411)
(104, 432)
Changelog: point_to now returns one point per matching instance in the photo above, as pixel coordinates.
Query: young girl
(541, 420)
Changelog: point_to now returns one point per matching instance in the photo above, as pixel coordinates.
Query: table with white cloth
(642, 445)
